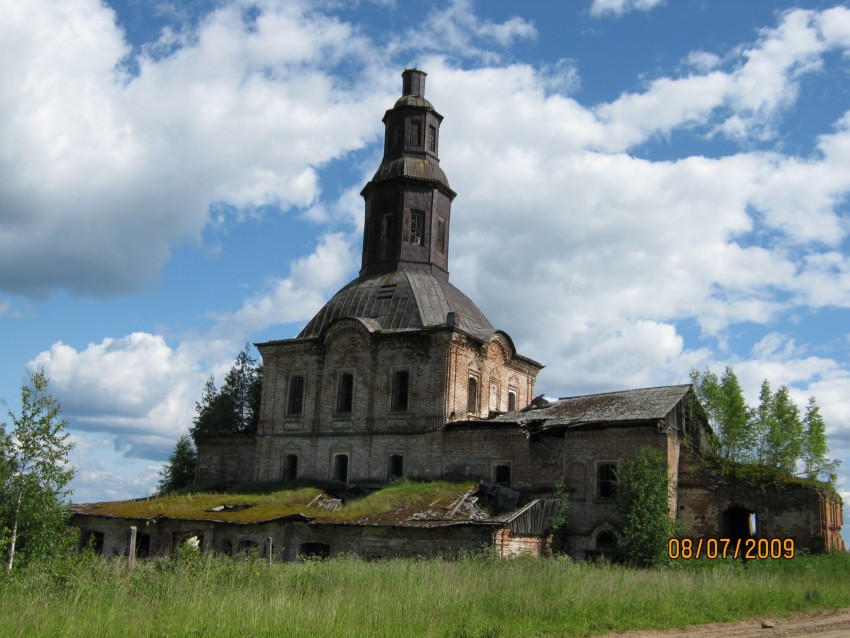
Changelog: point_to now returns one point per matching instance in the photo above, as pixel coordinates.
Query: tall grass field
(474, 597)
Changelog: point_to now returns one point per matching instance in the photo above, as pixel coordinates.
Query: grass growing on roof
(251, 503)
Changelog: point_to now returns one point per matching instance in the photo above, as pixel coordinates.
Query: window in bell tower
(441, 235)
(414, 137)
(397, 135)
(432, 139)
(386, 229)
(417, 227)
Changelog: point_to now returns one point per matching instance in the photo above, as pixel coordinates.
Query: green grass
(476, 597)
(263, 502)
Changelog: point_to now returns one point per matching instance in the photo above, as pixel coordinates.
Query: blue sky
(644, 187)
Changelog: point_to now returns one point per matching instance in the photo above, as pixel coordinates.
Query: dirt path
(827, 624)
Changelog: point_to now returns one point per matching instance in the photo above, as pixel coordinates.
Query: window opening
(432, 139)
(386, 229)
(511, 400)
(386, 291)
(395, 469)
(401, 386)
(503, 475)
(314, 550)
(397, 135)
(290, 467)
(340, 468)
(606, 480)
(606, 541)
(417, 227)
(414, 138)
(472, 396)
(295, 405)
(441, 235)
(345, 393)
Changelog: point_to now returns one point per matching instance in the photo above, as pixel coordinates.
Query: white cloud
(136, 388)
(617, 8)
(102, 173)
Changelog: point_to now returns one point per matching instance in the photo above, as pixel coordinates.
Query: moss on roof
(257, 503)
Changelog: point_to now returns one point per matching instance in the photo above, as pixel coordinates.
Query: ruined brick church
(400, 374)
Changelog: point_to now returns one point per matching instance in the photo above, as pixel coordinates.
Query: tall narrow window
(432, 139)
(345, 392)
(386, 229)
(401, 386)
(295, 404)
(441, 235)
(606, 480)
(511, 400)
(472, 396)
(395, 467)
(415, 133)
(417, 227)
(289, 472)
(340, 468)
(397, 135)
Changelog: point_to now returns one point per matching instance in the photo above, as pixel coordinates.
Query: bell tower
(408, 201)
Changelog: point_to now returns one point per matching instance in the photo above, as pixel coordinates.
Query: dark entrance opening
(143, 546)
(395, 468)
(95, 541)
(737, 523)
(290, 467)
(314, 550)
(503, 475)
(341, 468)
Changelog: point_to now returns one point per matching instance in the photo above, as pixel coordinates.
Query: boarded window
(340, 468)
(441, 235)
(395, 467)
(401, 384)
(417, 227)
(511, 400)
(432, 139)
(345, 393)
(472, 396)
(295, 405)
(606, 480)
(502, 475)
(289, 471)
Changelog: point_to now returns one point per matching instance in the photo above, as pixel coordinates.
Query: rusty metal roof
(401, 300)
(646, 404)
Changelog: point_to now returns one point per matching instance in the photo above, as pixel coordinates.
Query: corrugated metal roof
(645, 404)
(402, 300)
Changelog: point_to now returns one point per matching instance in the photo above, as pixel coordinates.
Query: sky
(644, 187)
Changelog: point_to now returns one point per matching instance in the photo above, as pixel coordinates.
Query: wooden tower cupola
(408, 201)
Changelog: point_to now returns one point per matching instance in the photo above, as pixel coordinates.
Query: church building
(400, 374)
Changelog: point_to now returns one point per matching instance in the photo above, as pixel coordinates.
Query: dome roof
(402, 300)
(413, 100)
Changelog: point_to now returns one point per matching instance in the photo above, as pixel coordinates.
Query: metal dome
(402, 300)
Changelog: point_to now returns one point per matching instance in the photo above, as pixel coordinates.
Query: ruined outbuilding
(400, 375)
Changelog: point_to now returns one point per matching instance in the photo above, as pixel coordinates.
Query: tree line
(234, 408)
(773, 434)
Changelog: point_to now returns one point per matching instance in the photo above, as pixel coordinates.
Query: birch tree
(36, 471)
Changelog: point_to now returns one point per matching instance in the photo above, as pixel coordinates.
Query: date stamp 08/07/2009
(747, 548)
